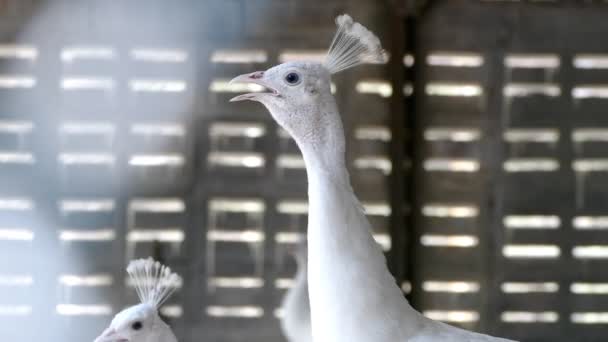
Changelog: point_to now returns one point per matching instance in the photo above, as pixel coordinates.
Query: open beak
(253, 78)
(110, 335)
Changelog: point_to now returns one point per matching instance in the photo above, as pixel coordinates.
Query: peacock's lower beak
(256, 83)
(110, 335)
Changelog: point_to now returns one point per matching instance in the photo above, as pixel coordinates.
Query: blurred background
(479, 151)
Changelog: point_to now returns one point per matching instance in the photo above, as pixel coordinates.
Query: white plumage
(353, 297)
(295, 317)
(154, 284)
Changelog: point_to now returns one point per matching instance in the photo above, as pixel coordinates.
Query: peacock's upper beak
(256, 78)
(110, 335)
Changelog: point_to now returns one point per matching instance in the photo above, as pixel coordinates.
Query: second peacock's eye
(137, 325)
(292, 78)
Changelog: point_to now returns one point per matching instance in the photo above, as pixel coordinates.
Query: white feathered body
(354, 298)
(295, 319)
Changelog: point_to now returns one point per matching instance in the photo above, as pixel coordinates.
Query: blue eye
(292, 78)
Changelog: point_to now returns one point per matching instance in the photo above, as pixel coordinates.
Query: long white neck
(348, 277)
(323, 145)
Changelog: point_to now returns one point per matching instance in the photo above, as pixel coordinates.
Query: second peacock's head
(133, 324)
(154, 283)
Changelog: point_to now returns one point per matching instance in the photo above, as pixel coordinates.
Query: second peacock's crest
(153, 281)
(353, 44)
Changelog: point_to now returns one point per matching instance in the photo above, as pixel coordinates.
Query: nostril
(256, 75)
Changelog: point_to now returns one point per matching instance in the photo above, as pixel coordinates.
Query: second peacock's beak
(256, 83)
(110, 335)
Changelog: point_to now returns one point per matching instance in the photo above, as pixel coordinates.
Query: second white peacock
(154, 284)
(353, 296)
(295, 317)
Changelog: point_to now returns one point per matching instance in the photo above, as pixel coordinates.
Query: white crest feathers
(353, 44)
(154, 282)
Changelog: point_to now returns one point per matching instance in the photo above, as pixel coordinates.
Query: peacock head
(291, 90)
(154, 284)
(298, 94)
(133, 324)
